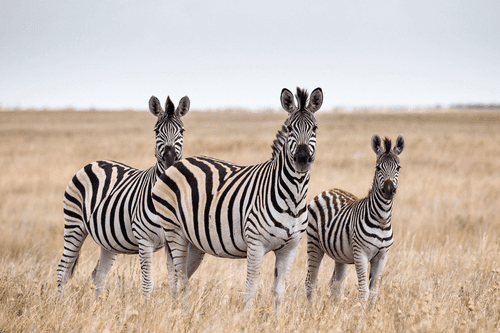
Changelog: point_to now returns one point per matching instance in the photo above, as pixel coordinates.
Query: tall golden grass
(443, 272)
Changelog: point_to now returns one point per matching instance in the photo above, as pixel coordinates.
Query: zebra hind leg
(314, 257)
(195, 257)
(74, 236)
(177, 247)
(100, 273)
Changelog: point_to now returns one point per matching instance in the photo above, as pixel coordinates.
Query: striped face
(301, 126)
(302, 140)
(169, 130)
(169, 134)
(387, 167)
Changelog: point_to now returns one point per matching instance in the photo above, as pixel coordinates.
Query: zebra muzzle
(302, 158)
(169, 156)
(388, 189)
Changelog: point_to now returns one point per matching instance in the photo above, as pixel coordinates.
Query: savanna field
(443, 271)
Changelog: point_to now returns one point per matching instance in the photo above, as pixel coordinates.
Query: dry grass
(443, 272)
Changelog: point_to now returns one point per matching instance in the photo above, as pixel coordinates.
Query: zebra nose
(302, 158)
(388, 189)
(169, 156)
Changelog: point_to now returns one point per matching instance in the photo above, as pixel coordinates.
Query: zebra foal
(355, 231)
(211, 206)
(112, 202)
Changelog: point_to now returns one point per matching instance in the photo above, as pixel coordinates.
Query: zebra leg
(284, 260)
(361, 265)
(377, 264)
(337, 280)
(100, 273)
(195, 257)
(314, 257)
(146, 261)
(255, 255)
(74, 236)
(170, 267)
(178, 246)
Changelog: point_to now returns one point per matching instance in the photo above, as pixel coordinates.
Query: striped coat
(211, 206)
(111, 202)
(355, 231)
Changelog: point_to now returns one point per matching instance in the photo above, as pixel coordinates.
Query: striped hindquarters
(329, 216)
(102, 197)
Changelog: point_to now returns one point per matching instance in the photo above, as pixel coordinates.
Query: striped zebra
(355, 231)
(112, 202)
(211, 206)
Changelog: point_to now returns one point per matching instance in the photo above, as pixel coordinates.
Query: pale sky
(115, 54)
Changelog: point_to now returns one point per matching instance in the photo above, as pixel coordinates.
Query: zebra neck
(380, 209)
(157, 171)
(290, 187)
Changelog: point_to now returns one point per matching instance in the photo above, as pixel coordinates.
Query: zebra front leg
(74, 236)
(284, 260)
(337, 280)
(361, 265)
(255, 255)
(101, 270)
(146, 261)
(377, 265)
(314, 257)
(195, 257)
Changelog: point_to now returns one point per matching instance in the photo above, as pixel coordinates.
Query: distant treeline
(476, 106)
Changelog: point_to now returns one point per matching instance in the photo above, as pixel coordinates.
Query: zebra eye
(289, 128)
(182, 130)
(315, 128)
(378, 168)
(399, 167)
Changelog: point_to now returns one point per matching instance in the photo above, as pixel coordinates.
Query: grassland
(443, 272)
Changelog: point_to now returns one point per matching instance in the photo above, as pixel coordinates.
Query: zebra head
(387, 167)
(301, 127)
(169, 129)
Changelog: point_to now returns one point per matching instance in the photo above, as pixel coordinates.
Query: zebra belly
(218, 240)
(112, 241)
(336, 243)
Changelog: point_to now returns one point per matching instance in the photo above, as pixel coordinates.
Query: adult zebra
(355, 231)
(211, 206)
(112, 202)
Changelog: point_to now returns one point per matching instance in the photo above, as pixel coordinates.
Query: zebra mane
(279, 142)
(302, 97)
(387, 145)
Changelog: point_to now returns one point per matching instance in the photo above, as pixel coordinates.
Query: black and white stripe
(211, 206)
(355, 231)
(112, 202)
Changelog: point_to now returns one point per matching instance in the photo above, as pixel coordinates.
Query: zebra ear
(377, 145)
(316, 100)
(287, 100)
(183, 107)
(169, 107)
(155, 106)
(400, 145)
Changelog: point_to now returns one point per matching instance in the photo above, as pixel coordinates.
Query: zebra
(112, 202)
(355, 231)
(207, 205)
